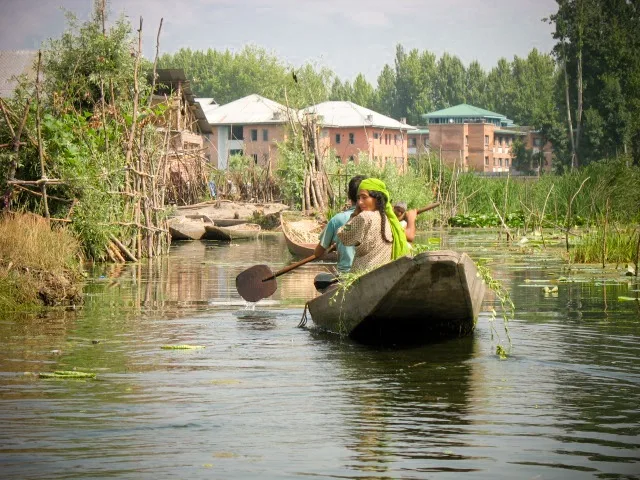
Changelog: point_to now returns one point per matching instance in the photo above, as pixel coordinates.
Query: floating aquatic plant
(181, 347)
(507, 307)
(67, 374)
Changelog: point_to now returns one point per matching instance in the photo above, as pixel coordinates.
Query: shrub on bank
(39, 264)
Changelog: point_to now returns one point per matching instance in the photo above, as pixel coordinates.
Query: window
(506, 162)
(352, 158)
(376, 136)
(426, 141)
(486, 160)
(265, 158)
(351, 138)
(466, 139)
(236, 132)
(486, 139)
(500, 161)
(396, 139)
(255, 155)
(413, 142)
(265, 135)
(337, 138)
(537, 142)
(235, 152)
(495, 161)
(254, 135)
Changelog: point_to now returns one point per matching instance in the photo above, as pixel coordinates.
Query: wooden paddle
(259, 281)
(431, 206)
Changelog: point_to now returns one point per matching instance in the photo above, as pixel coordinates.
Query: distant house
(350, 130)
(249, 126)
(475, 139)
(14, 64)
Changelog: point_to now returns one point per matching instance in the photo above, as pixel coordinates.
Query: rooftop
(247, 110)
(466, 112)
(348, 114)
(167, 80)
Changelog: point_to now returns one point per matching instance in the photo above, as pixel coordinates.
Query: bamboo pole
(155, 63)
(43, 185)
(566, 236)
(604, 233)
(16, 148)
(125, 251)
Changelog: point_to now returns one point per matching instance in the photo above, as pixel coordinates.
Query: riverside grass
(39, 264)
(617, 245)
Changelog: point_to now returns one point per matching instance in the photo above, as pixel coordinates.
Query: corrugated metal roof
(348, 114)
(418, 131)
(247, 110)
(14, 63)
(207, 104)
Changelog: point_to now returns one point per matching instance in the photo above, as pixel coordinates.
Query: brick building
(475, 139)
(249, 126)
(350, 130)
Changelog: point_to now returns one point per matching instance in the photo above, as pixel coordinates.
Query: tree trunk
(574, 158)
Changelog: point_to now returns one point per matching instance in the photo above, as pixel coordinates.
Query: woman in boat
(374, 230)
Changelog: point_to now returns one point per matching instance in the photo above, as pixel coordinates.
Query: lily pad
(181, 347)
(67, 374)
(627, 299)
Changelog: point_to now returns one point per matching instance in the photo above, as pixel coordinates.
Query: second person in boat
(374, 229)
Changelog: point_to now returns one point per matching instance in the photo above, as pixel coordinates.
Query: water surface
(265, 399)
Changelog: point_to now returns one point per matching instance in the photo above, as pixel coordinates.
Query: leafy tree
(597, 43)
(476, 84)
(450, 82)
(386, 91)
(363, 92)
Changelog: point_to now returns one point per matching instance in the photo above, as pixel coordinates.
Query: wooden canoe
(430, 297)
(301, 234)
(182, 228)
(235, 232)
(228, 222)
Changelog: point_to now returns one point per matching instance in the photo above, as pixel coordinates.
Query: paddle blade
(250, 285)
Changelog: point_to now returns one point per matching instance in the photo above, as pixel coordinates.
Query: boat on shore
(235, 232)
(301, 235)
(424, 299)
(183, 228)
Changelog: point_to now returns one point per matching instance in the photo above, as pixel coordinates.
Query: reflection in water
(264, 399)
(411, 406)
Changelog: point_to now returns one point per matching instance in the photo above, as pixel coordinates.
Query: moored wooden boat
(228, 222)
(235, 232)
(430, 297)
(301, 235)
(182, 228)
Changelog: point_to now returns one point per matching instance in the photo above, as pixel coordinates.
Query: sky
(347, 36)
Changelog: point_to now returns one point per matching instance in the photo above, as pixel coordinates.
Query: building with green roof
(475, 139)
(465, 113)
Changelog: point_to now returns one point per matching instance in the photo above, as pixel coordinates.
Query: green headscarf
(400, 247)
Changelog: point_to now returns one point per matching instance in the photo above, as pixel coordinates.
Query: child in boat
(374, 230)
(328, 235)
(407, 219)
